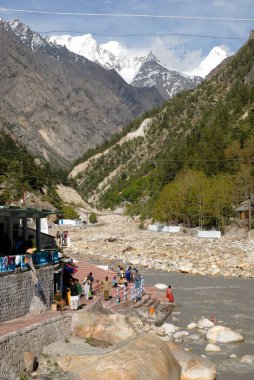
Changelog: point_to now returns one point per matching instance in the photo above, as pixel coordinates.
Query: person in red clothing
(169, 294)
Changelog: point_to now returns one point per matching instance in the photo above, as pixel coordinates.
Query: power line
(144, 34)
(82, 14)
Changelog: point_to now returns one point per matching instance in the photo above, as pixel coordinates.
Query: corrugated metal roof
(25, 212)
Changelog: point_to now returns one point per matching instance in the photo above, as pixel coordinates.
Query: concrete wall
(32, 338)
(17, 290)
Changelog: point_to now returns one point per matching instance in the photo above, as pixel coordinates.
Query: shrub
(69, 212)
(93, 218)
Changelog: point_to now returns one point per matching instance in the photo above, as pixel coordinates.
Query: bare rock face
(135, 360)
(29, 361)
(109, 328)
(59, 104)
(37, 306)
(193, 366)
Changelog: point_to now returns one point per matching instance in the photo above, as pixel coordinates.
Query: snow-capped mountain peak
(214, 58)
(84, 45)
(25, 34)
(109, 55)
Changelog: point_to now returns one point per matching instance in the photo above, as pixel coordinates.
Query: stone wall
(32, 338)
(17, 290)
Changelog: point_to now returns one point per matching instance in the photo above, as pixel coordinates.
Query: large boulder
(193, 366)
(111, 328)
(168, 328)
(223, 334)
(144, 357)
(186, 267)
(37, 305)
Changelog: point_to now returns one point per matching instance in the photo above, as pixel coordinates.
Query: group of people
(121, 280)
(128, 275)
(63, 238)
(77, 290)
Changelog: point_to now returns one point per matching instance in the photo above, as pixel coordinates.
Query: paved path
(83, 269)
(30, 319)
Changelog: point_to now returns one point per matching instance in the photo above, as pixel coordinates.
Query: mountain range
(143, 71)
(59, 104)
(196, 151)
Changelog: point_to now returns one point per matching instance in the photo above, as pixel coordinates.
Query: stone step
(145, 299)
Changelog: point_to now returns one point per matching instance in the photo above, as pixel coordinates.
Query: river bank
(228, 300)
(218, 280)
(117, 237)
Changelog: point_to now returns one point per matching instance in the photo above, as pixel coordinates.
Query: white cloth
(86, 290)
(17, 259)
(74, 302)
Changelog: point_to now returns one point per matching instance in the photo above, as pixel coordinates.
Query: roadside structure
(17, 288)
(245, 210)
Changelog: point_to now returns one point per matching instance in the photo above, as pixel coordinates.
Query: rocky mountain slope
(208, 130)
(141, 71)
(58, 104)
(168, 82)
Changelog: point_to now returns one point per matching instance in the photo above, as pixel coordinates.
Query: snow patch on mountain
(214, 58)
(29, 38)
(127, 62)
(110, 55)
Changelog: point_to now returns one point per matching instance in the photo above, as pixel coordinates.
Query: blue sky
(174, 49)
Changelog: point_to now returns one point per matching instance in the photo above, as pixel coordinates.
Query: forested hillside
(194, 161)
(20, 173)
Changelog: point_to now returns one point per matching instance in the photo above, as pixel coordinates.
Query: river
(229, 300)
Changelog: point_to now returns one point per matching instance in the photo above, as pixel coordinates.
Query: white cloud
(175, 56)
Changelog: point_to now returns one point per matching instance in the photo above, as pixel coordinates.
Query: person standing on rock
(106, 287)
(169, 294)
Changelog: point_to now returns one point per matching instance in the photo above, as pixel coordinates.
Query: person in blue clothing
(128, 274)
(137, 280)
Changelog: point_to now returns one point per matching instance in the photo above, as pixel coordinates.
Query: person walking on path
(91, 279)
(87, 291)
(106, 288)
(169, 294)
(74, 295)
(137, 279)
(80, 290)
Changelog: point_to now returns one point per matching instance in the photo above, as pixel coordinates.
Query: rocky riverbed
(119, 238)
(210, 278)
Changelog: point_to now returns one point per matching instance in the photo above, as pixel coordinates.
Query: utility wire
(81, 14)
(143, 34)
